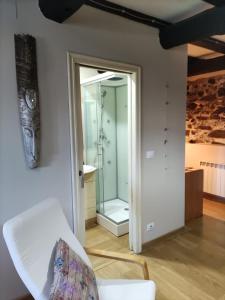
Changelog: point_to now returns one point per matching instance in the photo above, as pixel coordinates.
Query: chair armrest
(121, 257)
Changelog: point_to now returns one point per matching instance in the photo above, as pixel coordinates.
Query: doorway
(205, 140)
(104, 103)
(105, 145)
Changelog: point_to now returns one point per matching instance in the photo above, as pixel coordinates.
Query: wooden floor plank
(188, 266)
(214, 209)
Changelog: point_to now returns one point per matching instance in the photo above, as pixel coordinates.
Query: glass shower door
(93, 148)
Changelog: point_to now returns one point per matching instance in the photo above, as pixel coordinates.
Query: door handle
(81, 175)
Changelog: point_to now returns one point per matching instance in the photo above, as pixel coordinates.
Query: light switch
(149, 154)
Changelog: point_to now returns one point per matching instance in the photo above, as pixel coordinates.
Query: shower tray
(117, 229)
(116, 217)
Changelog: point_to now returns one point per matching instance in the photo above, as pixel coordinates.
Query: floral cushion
(73, 279)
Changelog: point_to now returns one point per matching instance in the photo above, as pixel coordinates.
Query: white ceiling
(196, 51)
(168, 10)
(200, 52)
(220, 37)
(174, 11)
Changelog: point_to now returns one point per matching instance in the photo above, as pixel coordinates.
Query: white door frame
(134, 130)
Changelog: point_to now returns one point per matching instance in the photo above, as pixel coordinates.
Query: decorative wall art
(28, 97)
(205, 118)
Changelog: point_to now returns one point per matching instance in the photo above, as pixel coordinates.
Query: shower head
(116, 78)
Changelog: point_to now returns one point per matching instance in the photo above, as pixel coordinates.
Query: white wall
(194, 153)
(94, 33)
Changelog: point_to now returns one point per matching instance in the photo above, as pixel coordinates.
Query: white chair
(31, 238)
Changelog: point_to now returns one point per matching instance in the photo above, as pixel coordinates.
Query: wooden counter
(193, 194)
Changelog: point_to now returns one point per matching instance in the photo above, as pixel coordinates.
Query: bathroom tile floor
(117, 210)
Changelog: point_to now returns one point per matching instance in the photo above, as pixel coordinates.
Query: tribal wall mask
(28, 97)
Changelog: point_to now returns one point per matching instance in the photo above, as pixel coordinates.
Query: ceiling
(167, 10)
(220, 37)
(178, 21)
(203, 53)
(174, 11)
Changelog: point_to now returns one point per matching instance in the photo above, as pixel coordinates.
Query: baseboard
(213, 197)
(167, 236)
(90, 223)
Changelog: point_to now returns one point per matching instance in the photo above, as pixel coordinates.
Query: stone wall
(205, 118)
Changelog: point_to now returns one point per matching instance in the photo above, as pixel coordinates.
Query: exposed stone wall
(205, 118)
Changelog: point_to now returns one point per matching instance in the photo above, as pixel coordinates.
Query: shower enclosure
(105, 127)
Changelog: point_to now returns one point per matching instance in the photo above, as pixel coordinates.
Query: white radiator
(214, 178)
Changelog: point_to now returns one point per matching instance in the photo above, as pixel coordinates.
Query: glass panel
(89, 94)
(122, 142)
(92, 148)
(108, 141)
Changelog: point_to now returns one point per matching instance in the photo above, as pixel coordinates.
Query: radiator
(214, 178)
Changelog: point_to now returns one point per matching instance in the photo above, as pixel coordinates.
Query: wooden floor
(187, 265)
(214, 209)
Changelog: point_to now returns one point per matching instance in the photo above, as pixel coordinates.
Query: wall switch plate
(150, 226)
(149, 154)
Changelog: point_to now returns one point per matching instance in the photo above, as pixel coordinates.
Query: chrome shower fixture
(104, 93)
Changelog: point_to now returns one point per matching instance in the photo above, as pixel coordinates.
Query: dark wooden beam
(203, 25)
(197, 66)
(128, 13)
(215, 2)
(59, 10)
(208, 43)
(211, 44)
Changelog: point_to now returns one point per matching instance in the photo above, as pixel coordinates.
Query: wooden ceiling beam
(197, 66)
(128, 13)
(208, 23)
(59, 11)
(208, 43)
(211, 44)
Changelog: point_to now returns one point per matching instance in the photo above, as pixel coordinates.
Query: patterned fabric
(73, 279)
